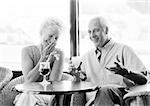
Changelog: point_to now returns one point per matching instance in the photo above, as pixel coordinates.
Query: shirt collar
(107, 45)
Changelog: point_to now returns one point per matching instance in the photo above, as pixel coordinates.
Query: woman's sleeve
(30, 72)
(26, 62)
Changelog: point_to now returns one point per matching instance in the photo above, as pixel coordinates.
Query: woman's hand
(46, 51)
(54, 55)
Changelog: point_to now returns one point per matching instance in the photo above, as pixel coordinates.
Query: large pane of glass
(129, 23)
(20, 22)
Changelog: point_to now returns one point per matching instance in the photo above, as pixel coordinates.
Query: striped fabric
(98, 54)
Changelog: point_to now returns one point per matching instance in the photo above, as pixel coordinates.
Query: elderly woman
(33, 55)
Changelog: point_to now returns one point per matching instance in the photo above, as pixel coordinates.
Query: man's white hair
(101, 20)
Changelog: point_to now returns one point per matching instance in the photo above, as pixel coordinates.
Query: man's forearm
(136, 78)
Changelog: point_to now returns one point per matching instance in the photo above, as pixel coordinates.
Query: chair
(138, 96)
(8, 95)
(141, 95)
(5, 76)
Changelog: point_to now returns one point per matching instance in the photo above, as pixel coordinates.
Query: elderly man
(110, 65)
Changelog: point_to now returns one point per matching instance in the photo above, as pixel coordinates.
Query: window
(20, 22)
(128, 19)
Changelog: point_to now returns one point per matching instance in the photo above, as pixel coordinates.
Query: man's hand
(137, 78)
(119, 69)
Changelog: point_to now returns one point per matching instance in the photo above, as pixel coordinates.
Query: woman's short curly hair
(53, 23)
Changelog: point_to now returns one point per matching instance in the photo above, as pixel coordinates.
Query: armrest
(5, 76)
(8, 95)
(67, 76)
(78, 75)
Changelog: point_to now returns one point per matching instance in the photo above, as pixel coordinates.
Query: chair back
(66, 76)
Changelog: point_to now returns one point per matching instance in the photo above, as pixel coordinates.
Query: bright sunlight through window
(20, 22)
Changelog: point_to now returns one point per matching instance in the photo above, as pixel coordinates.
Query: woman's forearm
(56, 73)
(33, 75)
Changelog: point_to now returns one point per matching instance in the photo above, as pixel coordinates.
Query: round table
(58, 88)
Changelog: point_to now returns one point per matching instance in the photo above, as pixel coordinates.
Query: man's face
(97, 34)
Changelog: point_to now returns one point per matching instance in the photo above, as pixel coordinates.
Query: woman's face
(49, 36)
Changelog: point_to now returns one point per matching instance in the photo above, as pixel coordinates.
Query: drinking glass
(75, 60)
(44, 71)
